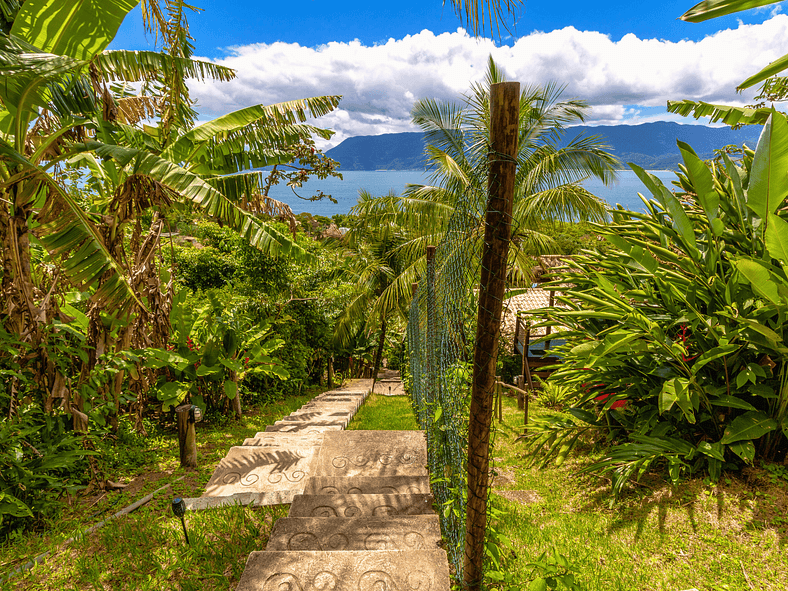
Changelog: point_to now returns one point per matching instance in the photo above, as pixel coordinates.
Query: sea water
(624, 190)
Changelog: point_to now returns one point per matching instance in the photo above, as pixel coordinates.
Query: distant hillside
(650, 145)
(390, 151)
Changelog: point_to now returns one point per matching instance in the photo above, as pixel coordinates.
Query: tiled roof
(531, 299)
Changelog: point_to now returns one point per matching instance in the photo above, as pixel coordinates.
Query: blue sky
(316, 22)
(625, 58)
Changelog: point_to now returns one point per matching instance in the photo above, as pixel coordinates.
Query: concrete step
(404, 570)
(279, 497)
(422, 532)
(372, 453)
(263, 439)
(360, 505)
(261, 469)
(367, 485)
(302, 427)
(327, 416)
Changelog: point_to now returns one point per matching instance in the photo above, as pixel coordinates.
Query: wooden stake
(504, 125)
(499, 393)
(187, 437)
(432, 320)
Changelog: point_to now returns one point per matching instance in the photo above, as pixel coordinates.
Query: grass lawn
(730, 536)
(385, 413)
(146, 549)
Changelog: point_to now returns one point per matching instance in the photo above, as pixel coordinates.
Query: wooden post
(432, 345)
(504, 124)
(330, 372)
(499, 394)
(551, 303)
(520, 400)
(187, 437)
(527, 371)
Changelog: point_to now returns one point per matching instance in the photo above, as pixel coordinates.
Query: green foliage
(676, 340)
(216, 343)
(38, 458)
(570, 238)
(554, 395)
(203, 268)
(552, 570)
(229, 259)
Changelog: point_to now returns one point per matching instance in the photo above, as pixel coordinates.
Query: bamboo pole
(504, 123)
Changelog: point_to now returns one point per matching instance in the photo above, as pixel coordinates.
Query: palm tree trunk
(379, 352)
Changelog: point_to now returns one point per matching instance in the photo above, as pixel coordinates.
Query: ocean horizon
(623, 191)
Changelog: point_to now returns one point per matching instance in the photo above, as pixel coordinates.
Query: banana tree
(775, 88)
(40, 59)
(73, 112)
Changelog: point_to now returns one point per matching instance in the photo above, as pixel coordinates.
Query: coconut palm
(374, 261)
(547, 188)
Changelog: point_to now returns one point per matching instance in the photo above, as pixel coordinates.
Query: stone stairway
(361, 513)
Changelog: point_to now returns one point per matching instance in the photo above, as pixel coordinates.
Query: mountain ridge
(649, 145)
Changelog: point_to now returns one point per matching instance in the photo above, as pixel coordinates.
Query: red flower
(617, 404)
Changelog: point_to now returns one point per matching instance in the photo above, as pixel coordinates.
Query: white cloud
(380, 83)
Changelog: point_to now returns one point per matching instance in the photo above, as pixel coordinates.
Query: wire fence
(440, 338)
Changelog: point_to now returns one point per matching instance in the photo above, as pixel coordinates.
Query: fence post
(504, 124)
(499, 394)
(527, 371)
(187, 437)
(432, 321)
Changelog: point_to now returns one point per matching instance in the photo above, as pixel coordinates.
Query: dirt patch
(502, 476)
(524, 497)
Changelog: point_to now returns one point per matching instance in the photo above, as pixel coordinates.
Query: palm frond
(201, 193)
(67, 231)
(477, 16)
(729, 115)
(567, 202)
(142, 66)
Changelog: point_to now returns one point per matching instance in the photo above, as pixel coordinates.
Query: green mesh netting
(440, 337)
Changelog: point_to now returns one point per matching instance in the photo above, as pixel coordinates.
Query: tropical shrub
(215, 344)
(677, 337)
(39, 457)
(227, 258)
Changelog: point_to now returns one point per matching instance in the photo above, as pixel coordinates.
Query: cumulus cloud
(380, 83)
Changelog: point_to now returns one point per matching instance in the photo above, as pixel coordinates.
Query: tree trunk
(504, 112)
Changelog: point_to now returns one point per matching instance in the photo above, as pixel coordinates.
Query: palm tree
(374, 263)
(548, 183)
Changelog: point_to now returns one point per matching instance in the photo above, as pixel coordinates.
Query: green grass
(725, 537)
(385, 413)
(698, 535)
(146, 549)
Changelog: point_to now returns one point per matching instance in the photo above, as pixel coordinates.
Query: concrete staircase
(361, 515)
